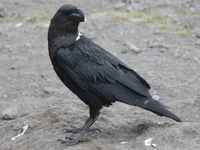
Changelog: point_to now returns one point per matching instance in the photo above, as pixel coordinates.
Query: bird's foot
(75, 130)
(70, 142)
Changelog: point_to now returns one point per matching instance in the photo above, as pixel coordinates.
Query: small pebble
(124, 51)
(197, 34)
(27, 45)
(48, 90)
(119, 5)
(9, 114)
(133, 48)
(2, 11)
(156, 97)
(18, 24)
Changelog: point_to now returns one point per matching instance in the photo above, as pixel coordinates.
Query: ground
(159, 39)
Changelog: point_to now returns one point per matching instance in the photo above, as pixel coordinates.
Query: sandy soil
(31, 93)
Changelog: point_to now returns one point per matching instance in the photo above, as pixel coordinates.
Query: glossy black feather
(97, 77)
(96, 71)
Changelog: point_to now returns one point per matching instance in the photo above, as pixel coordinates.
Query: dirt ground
(169, 59)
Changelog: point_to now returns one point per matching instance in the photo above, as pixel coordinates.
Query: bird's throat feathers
(56, 43)
(78, 37)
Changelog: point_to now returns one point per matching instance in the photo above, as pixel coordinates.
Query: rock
(157, 32)
(1, 31)
(133, 48)
(197, 34)
(124, 51)
(27, 45)
(49, 90)
(119, 5)
(13, 68)
(18, 24)
(34, 85)
(10, 114)
(2, 11)
(198, 42)
(42, 75)
(156, 97)
(157, 45)
(192, 9)
(9, 39)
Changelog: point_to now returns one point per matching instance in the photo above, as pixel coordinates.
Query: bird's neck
(62, 36)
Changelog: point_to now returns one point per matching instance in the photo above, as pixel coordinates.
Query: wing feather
(105, 79)
(94, 68)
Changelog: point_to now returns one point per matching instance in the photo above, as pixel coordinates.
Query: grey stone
(2, 11)
(27, 45)
(197, 34)
(49, 90)
(133, 48)
(124, 51)
(156, 97)
(9, 114)
(119, 5)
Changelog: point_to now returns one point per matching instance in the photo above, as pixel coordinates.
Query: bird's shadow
(130, 131)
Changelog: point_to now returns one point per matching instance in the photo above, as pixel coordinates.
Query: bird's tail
(159, 109)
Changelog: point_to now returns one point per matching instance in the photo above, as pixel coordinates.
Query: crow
(96, 76)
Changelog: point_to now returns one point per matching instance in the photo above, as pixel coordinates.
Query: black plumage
(97, 77)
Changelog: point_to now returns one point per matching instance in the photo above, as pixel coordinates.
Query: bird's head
(69, 13)
(63, 29)
(67, 18)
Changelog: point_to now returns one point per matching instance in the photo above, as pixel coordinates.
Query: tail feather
(150, 104)
(118, 92)
(159, 109)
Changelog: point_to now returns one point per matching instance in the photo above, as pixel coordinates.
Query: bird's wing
(109, 78)
(92, 67)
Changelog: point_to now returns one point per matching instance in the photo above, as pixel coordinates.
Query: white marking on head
(78, 37)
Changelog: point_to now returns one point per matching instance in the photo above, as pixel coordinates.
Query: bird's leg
(75, 130)
(86, 126)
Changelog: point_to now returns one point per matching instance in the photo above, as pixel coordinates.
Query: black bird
(97, 77)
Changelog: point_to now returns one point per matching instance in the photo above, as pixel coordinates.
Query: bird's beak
(79, 16)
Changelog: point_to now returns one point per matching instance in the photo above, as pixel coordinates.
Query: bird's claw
(96, 129)
(73, 141)
(81, 140)
(69, 138)
(70, 142)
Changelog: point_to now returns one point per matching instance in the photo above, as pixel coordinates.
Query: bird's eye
(66, 13)
(76, 11)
